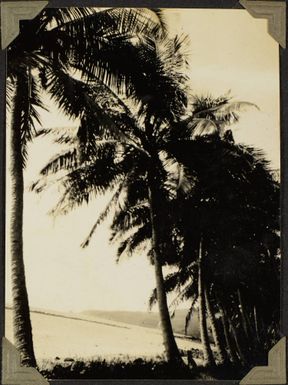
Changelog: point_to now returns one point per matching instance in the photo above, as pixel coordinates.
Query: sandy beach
(78, 336)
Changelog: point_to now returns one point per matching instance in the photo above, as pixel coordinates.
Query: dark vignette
(2, 192)
(220, 4)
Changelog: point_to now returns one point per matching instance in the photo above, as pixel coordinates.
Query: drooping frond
(134, 198)
(101, 172)
(161, 20)
(110, 206)
(95, 44)
(66, 160)
(203, 127)
(9, 93)
(102, 113)
(60, 135)
(140, 236)
(188, 317)
(137, 189)
(178, 178)
(82, 34)
(130, 217)
(189, 290)
(89, 179)
(173, 282)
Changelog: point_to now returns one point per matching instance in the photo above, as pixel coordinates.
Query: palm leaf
(61, 135)
(104, 214)
(30, 101)
(130, 217)
(128, 246)
(188, 317)
(203, 127)
(88, 180)
(103, 114)
(67, 160)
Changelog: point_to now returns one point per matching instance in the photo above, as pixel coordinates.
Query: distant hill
(149, 319)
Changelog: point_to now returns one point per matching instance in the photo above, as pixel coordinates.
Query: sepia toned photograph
(143, 193)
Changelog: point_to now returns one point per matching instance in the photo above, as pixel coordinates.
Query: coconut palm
(53, 45)
(233, 251)
(136, 215)
(236, 212)
(222, 110)
(118, 151)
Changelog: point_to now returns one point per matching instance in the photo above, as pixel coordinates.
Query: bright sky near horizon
(229, 50)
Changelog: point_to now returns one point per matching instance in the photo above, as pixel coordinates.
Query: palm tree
(206, 112)
(53, 45)
(236, 212)
(207, 351)
(136, 215)
(234, 244)
(116, 150)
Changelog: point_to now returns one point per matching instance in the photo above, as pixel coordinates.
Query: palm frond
(152, 299)
(67, 160)
(229, 112)
(56, 17)
(128, 246)
(221, 110)
(88, 180)
(29, 96)
(61, 135)
(134, 196)
(103, 114)
(130, 217)
(188, 317)
(186, 292)
(90, 42)
(172, 282)
(111, 204)
(203, 127)
(10, 87)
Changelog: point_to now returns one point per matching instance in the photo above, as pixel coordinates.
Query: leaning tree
(117, 147)
(59, 42)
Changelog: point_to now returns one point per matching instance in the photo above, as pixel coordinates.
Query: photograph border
(12, 373)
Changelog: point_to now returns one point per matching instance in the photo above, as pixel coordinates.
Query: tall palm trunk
(21, 315)
(229, 342)
(207, 351)
(240, 351)
(244, 316)
(223, 359)
(256, 322)
(170, 346)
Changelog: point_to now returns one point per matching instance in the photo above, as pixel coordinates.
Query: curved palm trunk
(223, 358)
(207, 351)
(21, 315)
(171, 349)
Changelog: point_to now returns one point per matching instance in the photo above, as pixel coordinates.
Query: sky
(228, 50)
